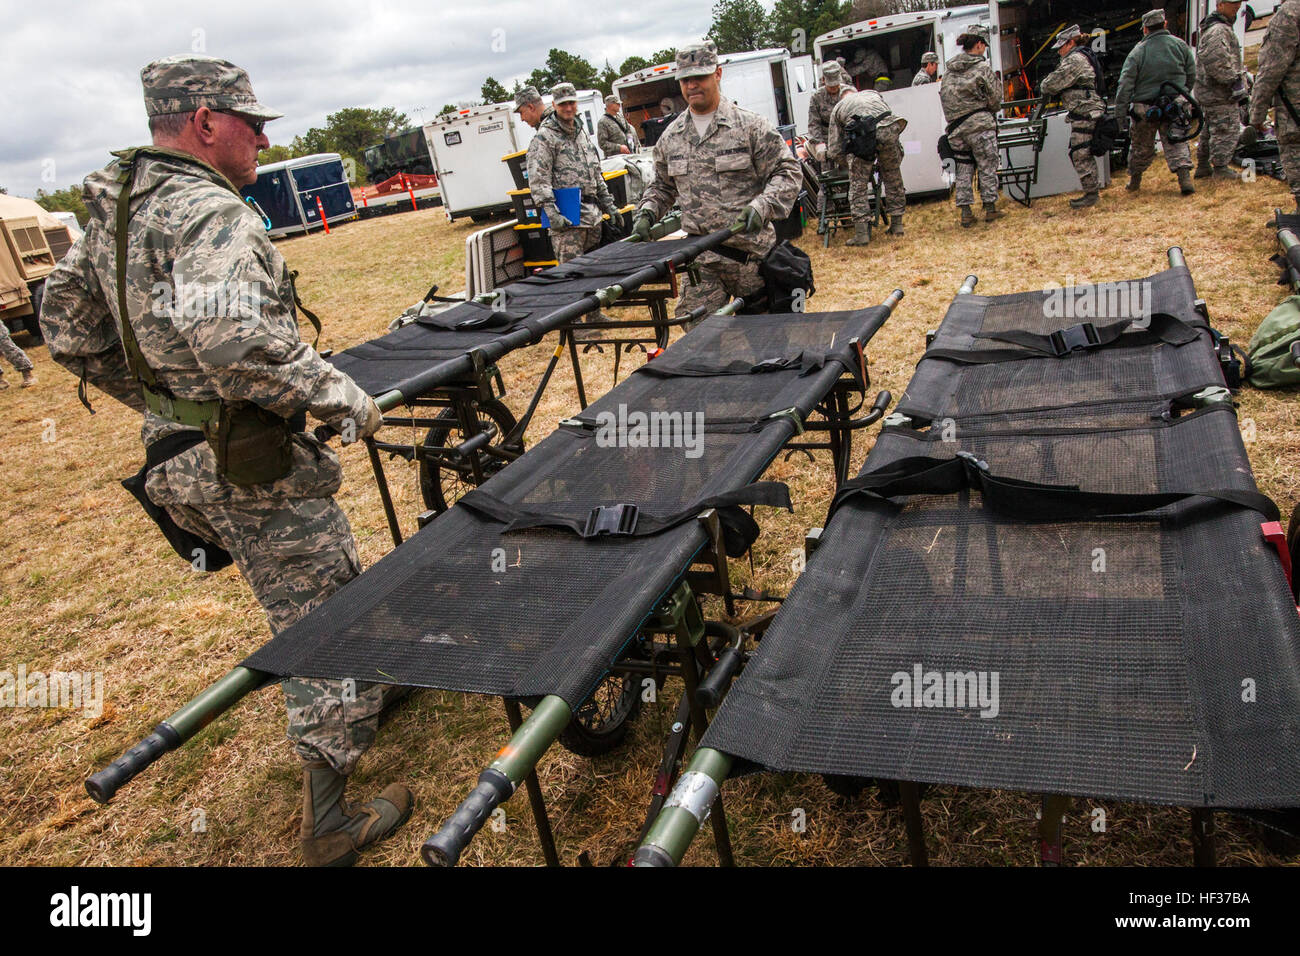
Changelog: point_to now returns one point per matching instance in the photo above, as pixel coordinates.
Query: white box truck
(768, 82)
(466, 148)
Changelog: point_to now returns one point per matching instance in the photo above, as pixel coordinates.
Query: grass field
(87, 584)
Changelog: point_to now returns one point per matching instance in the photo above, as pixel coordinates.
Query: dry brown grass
(87, 584)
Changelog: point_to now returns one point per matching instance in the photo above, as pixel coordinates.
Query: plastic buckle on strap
(978, 463)
(1076, 337)
(610, 519)
(773, 364)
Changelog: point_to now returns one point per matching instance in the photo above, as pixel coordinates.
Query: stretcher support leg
(909, 795)
(1203, 842)
(535, 798)
(1051, 818)
(385, 497)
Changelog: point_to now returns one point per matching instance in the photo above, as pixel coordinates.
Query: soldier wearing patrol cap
(614, 134)
(929, 70)
(1075, 82)
(562, 156)
(141, 315)
(1220, 89)
(720, 163)
(1158, 59)
(835, 86)
(1277, 84)
(971, 96)
(530, 107)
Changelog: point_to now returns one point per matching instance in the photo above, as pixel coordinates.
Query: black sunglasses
(255, 125)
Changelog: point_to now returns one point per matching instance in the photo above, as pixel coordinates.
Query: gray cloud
(70, 77)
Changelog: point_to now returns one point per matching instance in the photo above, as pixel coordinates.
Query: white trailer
(767, 82)
(901, 40)
(466, 149)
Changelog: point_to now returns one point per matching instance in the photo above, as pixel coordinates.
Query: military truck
(31, 242)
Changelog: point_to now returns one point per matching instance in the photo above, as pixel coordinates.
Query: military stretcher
(614, 543)
(1054, 574)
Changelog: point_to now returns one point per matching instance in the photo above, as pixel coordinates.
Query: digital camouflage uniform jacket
(741, 161)
(209, 299)
(968, 85)
(1219, 65)
(613, 133)
(922, 78)
(819, 111)
(1279, 65)
(562, 159)
(863, 103)
(1075, 82)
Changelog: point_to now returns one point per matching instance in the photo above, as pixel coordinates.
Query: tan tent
(13, 283)
(14, 207)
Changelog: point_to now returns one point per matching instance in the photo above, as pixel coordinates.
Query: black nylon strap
(1082, 337)
(806, 361)
(626, 520)
(735, 255)
(1024, 500)
(487, 319)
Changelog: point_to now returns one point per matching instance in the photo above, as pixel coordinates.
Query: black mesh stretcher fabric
(434, 613)
(1104, 378)
(382, 363)
(1121, 679)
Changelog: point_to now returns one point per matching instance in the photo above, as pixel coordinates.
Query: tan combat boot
(1223, 172)
(968, 217)
(861, 235)
(896, 225)
(29, 378)
(991, 212)
(1087, 199)
(1185, 182)
(1203, 172)
(332, 832)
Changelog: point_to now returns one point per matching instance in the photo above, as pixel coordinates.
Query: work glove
(557, 221)
(751, 220)
(610, 210)
(370, 424)
(819, 151)
(641, 225)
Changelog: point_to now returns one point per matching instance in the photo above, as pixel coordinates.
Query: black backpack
(1095, 60)
(785, 269)
(860, 137)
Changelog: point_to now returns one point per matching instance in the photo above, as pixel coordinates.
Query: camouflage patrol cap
(1071, 32)
(183, 83)
(563, 93)
(1153, 18)
(698, 59)
(976, 32)
(525, 96)
(612, 98)
(832, 72)
(929, 58)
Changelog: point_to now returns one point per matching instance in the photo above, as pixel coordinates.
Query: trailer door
(800, 83)
(467, 156)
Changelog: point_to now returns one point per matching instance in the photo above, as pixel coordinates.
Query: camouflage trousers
(574, 241)
(1288, 141)
(12, 353)
(985, 148)
(1220, 136)
(889, 157)
(1142, 134)
(294, 547)
(721, 279)
(1081, 158)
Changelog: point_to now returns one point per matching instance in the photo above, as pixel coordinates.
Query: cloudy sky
(70, 71)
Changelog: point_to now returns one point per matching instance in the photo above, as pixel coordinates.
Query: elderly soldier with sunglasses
(225, 383)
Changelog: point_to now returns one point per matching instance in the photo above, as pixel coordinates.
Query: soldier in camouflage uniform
(1159, 58)
(871, 66)
(614, 134)
(1220, 86)
(889, 155)
(530, 107)
(1278, 76)
(16, 357)
(835, 86)
(720, 163)
(1075, 82)
(970, 97)
(929, 70)
(562, 156)
(210, 305)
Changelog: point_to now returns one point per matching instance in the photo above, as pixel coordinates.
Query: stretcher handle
(711, 689)
(102, 786)
(445, 847)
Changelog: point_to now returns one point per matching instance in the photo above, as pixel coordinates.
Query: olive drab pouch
(1270, 362)
(252, 446)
